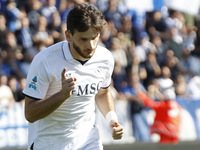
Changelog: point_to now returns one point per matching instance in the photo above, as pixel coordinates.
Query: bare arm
(38, 109)
(105, 104)
(104, 101)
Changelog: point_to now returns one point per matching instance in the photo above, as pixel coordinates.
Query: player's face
(83, 44)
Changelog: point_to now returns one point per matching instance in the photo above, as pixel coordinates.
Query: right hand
(68, 84)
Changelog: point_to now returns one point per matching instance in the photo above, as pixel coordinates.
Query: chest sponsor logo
(87, 89)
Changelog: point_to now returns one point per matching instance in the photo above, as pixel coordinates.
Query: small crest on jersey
(69, 74)
(33, 83)
(99, 71)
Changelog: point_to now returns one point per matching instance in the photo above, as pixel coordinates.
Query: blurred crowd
(160, 50)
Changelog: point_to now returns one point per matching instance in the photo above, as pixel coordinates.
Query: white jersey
(69, 127)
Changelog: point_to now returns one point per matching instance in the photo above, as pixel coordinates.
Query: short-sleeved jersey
(69, 125)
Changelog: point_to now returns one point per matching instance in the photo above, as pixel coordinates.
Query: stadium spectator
(55, 28)
(13, 15)
(16, 86)
(24, 36)
(176, 21)
(189, 38)
(180, 86)
(193, 88)
(138, 112)
(42, 34)
(172, 44)
(166, 84)
(126, 29)
(20, 95)
(171, 62)
(114, 14)
(152, 68)
(196, 51)
(177, 30)
(13, 84)
(156, 24)
(3, 31)
(118, 53)
(121, 63)
(6, 96)
(4, 79)
(138, 18)
(119, 77)
(127, 45)
(13, 55)
(33, 12)
(48, 9)
(64, 8)
(161, 48)
(167, 119)
(144, 47)
(153, 91)
(28, 57)
(189, 64)
(125, 34)
(108, 32)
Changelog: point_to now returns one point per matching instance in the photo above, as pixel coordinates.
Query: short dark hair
(84, 16)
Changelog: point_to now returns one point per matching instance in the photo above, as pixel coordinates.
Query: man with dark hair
(65, 82)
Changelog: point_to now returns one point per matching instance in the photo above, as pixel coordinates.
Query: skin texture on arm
(38, 109)
(104, 101)
(105, 104)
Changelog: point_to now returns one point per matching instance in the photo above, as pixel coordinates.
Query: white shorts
(90, 142)
(93, 142)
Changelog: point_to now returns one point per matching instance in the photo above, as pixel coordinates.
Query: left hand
(117, 130)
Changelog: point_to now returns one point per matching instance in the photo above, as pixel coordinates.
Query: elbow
(29, 118)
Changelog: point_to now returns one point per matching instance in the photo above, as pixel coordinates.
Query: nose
(91, 44)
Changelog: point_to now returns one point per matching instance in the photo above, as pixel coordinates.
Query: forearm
(38, 109)
(148, 102)
(105, 102)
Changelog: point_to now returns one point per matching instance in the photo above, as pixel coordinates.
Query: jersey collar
(66, 51)
(67, 54)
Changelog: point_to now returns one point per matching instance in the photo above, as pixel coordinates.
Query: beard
(88, 52)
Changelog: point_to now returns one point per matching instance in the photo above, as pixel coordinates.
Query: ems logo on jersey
(33, 83)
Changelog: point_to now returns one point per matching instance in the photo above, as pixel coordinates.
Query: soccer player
(65, 82)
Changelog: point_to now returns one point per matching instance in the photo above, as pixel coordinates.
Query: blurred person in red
(167, 115)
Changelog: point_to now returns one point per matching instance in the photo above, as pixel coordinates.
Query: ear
(68, 35)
